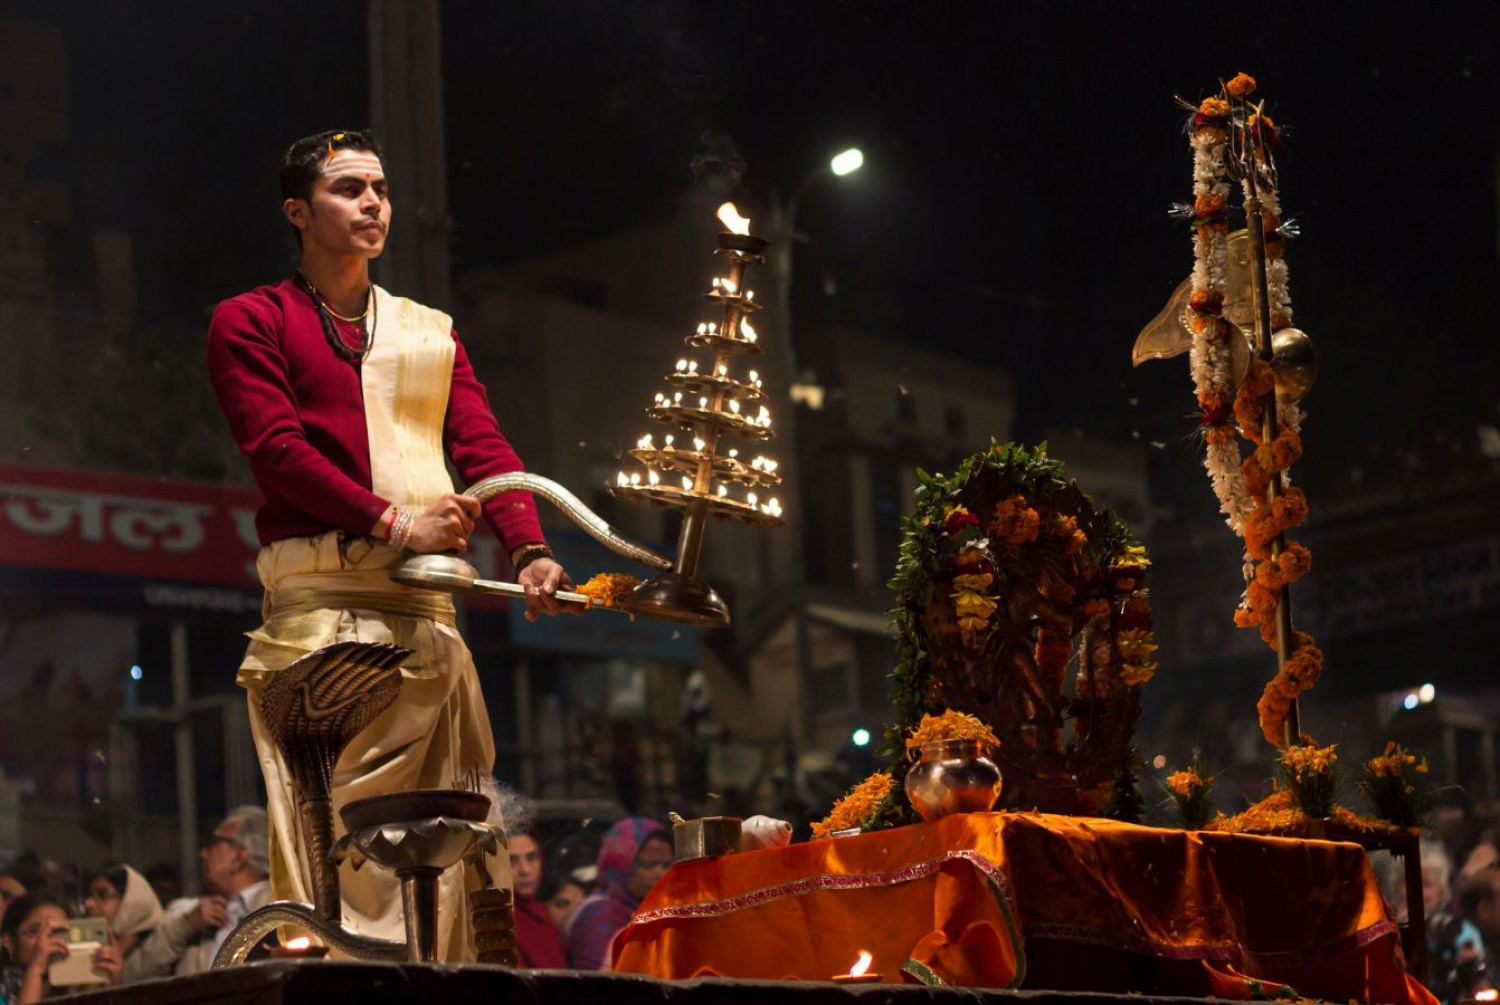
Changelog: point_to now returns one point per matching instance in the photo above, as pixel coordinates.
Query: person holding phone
(34, 933)
(123, 898)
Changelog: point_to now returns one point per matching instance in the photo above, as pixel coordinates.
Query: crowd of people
(574, 890)
(573, 894)
(143, 938)
(1461, 908)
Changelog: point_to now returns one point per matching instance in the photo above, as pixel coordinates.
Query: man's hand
(445, 525)
(210, 914)
(543, 577)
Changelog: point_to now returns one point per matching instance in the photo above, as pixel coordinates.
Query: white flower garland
(1278, 278)
(1209, 359)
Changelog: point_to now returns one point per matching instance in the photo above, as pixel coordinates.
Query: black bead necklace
(330, 329)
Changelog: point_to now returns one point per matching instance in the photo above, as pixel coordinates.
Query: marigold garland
(1241, 484)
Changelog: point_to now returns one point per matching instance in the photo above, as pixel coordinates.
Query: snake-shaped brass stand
(313, 709)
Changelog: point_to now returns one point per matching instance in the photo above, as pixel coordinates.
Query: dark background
(1020, 159)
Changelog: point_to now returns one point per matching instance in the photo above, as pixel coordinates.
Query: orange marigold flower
(1096, 608)
(856, 807)
(607, 589)
(1016, 522)
(951, 725)
(1184, 784)
(1241, 86)
(1209, 202)
(1214, 108)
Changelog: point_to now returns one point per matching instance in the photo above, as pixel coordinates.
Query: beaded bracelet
(530, 553)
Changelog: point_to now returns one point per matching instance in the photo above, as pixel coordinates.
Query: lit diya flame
(862, 965)
(298, 944)
(730, 217)
(1487, 995)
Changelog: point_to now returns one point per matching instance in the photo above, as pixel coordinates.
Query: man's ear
(297, 212)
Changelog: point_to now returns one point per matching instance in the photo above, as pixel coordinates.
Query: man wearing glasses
(233, 865)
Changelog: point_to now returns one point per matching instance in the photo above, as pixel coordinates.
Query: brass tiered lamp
(708, 405)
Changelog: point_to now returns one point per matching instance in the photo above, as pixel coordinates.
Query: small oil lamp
(859, 973)
(300, 948)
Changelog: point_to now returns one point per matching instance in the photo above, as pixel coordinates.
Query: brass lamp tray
(720, 506)
(684, 415)
(717, 342)
(687, 461)
(708, 382)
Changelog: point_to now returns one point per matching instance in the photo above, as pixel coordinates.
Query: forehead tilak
(352, 162)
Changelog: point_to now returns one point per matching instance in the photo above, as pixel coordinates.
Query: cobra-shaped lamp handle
(573, 508)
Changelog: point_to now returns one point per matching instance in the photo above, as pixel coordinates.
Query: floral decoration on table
(950, 725)
(1008, 578)
(1192, 793)
(1311, 774)
(1307, 788)
(1397, 786)
(859, 808)
(877, 799)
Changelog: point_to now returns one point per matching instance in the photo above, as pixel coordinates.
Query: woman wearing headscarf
(635, 853)
(538, 941)
(124, 898)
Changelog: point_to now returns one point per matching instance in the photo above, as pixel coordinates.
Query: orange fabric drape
(972, 899)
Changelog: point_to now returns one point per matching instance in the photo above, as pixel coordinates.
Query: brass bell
(1294, 363)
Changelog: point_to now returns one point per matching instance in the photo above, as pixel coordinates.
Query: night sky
(1020, 161)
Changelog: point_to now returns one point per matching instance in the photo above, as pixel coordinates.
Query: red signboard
(147, 528)
(152, 528)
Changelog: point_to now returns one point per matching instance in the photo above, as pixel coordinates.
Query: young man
(346, 399)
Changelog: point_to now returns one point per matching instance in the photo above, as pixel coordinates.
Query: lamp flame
(1487, 995)
(862, 965)
(298, 944)
(730, 217)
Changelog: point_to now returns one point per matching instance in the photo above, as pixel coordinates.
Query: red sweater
(297, 411)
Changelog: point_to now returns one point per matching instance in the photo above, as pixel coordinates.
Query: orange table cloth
(1033, 900)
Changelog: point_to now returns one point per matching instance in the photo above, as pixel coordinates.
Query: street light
(848, 162)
